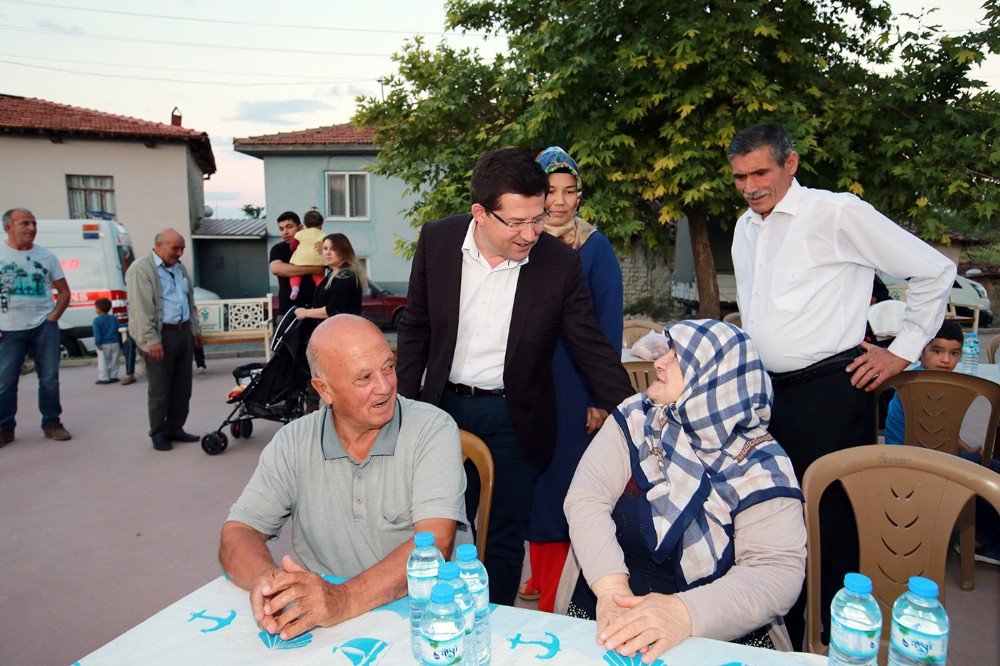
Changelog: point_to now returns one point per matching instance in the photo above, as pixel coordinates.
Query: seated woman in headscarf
(684, 514)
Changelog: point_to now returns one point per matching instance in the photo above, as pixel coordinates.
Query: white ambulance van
(94, 255)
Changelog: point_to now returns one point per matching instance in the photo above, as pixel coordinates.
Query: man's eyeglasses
(537, 222)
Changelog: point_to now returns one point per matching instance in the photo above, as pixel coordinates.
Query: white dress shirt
(804, 277)
(487, 301)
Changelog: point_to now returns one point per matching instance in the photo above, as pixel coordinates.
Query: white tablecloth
(214, 625)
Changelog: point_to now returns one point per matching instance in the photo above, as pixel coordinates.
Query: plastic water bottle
(421, 574)
(442, 629)
(919, 626)
(474, 574)
(449, 573)
(855, 623)
(970, 354)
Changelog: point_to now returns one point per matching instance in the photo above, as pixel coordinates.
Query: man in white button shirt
(805, 260)
(478, 336)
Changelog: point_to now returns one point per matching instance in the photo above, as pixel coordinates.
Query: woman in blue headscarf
(577, 415)
(685, 514)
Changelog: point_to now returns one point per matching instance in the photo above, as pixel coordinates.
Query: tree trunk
(704, 266)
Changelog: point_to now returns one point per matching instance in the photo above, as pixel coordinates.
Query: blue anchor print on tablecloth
(614, 659)
(220, 622)
(362, 651)
(276, 642)
(551, 646)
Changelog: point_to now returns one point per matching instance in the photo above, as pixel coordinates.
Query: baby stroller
(275, 391)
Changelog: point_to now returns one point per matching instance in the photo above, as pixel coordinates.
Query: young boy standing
(107, 342)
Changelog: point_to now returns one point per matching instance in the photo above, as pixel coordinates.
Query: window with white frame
(347, 195)
(90, 194)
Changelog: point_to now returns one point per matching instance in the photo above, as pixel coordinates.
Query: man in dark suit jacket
(482, 319)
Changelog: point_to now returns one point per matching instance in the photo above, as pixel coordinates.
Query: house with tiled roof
(63, 161)
(326, 168)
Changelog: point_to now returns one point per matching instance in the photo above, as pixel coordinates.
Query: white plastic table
(214, 625)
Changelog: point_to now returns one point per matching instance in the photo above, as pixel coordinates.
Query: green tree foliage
(253, 212)
(647, 95)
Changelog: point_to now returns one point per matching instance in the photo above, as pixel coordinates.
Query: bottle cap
(858, 583)
(923, 587)
(423, 539)
(442, 593)
(448, 571)
(466, 552)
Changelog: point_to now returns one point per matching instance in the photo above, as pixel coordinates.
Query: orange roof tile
(343, 134)
(29, 115)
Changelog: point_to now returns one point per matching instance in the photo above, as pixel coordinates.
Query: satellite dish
(209, 212)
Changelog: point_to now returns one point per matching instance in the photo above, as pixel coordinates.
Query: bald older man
(359, 477)
(163, 324)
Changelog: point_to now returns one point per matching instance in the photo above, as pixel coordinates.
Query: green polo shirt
(348, 515)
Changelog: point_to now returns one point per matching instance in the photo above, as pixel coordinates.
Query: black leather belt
(176, 327)
(817, 369)
(473, 392)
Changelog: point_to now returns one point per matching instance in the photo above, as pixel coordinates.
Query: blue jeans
(41, 344)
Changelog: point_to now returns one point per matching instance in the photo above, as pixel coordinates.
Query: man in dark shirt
(279, 263)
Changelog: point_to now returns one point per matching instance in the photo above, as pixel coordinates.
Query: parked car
(379, 305)
(94, 255)
(382, 306)
(966, 295)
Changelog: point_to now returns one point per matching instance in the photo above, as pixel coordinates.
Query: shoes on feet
(57, 432)
(129, 379)
(106, 381)
(6, 437)
(183, 437)
(162, 443)
(527, 594)
(990, 554)
(202, 370)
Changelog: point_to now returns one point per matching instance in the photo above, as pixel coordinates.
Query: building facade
(62, 162)
(326, 168)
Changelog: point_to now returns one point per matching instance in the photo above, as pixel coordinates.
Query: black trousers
(170, 382)
(810, 419)
(513, 487)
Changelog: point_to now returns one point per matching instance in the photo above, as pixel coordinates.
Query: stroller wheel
(235, 429)
(246, 427)
(214, 443)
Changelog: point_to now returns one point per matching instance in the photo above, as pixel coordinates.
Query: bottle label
(442, 652)
(929, 649)
(854, 642)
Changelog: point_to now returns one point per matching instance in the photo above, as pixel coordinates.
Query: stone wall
(646, 279)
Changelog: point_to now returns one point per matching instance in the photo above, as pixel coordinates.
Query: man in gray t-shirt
(29, 322)
(359, 477)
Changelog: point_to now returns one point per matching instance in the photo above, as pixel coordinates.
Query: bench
(236, 320)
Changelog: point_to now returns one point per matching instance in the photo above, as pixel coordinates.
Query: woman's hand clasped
(651, 624)
(595, 419)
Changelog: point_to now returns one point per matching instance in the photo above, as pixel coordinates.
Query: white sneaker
(202, 371)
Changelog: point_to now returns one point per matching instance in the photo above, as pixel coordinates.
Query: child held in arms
(943, 352)
(304, 252)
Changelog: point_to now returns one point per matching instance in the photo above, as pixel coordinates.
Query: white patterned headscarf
(708, 456)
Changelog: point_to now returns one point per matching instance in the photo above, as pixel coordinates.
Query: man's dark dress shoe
(184, 437)
(162, 443)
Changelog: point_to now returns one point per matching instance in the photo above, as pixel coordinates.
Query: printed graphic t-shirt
(26, 278)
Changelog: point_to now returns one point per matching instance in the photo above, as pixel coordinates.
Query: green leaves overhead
(647, 94)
